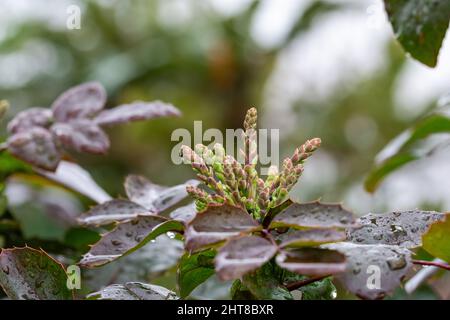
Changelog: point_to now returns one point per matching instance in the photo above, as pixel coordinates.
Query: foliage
(240, 227)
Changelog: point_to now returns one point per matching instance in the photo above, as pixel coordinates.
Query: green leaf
(309, 238)
(407, 147)
(133, 291)
(30, 274)
(193, 270)
(264, 284)
(146, 264)
(242, 255)
(437, 240)
(401, 228)
(217, 223)
(319, 290)
(312, 261)
(314, 215)
(366, 264)
(420, 26)
(126, 238)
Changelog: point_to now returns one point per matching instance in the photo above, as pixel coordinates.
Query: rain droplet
(116, 242)
(397, 262)
(170, 234)
(356, 270)
(5, 269)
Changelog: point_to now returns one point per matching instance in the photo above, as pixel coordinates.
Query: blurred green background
(329, 68)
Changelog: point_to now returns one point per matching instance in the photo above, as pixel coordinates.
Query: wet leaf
(36, 147)
(407, 147)
(126, 238)
(217, 223)
(319, 290)
(402, 228)
(112, 211)
(193, 270)
(312, 261)
(30, 274)
(373, 271)
(310, 238)
(437, 239)
(142, 191)
(136, 111)
(133, 291)
(80, 102)
(77, 179)
(32, 117)
(420, 26)
(185, 213)
(242, 255)
(314, 215)
(81, 136)
(172, 195)
(154, 197)
(263, 284)
(149, 262)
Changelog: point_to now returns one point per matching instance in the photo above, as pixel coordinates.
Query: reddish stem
(298, 284)
(432, 263)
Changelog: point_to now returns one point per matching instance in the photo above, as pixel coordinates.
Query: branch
(298, 284)
(421, 277)
(434, 263)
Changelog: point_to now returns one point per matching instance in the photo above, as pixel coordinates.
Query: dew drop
(397, 262)
(170, 234)
(5, 269)
(116, 242)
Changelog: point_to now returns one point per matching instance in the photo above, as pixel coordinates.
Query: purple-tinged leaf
(217, 223)
(81, 136)
(80, 102)
(314, 215)
(172, 195)
(310, 237)
(136, 111)
(242, 255)
(402, 228)
(36, 147)
(133, 291)
(373, 271)
(116, 210)
(128, 237)
(29, 274)
(185, 213)
(154, 197)
(33, 117)
(140, 190)
(76, 178)
(312, 261)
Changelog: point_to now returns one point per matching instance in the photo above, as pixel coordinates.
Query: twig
(298, 284)
(420, 277)
(434, 263)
